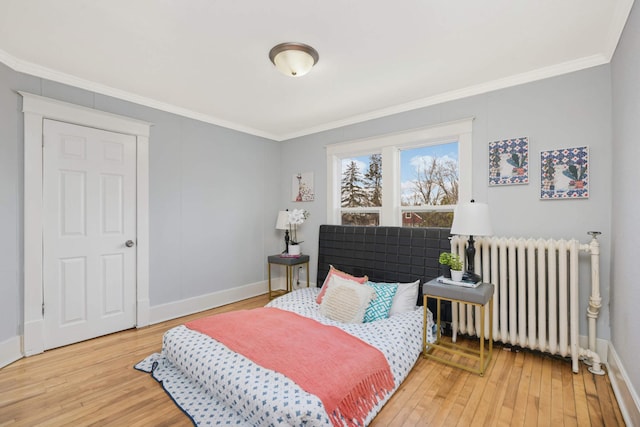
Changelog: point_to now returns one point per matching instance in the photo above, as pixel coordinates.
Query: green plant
(456, 262)
(445, 258)
(452, 260)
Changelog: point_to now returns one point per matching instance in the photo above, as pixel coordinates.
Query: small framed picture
(509, 161)
(302, 187)
(564, 174)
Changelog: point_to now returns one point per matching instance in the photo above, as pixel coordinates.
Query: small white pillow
(406, 298)
(345, 301)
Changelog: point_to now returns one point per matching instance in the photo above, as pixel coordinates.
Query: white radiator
(536, 293)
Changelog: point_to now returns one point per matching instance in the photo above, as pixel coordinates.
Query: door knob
(129, 243)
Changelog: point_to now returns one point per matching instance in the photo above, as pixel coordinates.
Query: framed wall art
(302, 187)
(564, 173)
(509, 161)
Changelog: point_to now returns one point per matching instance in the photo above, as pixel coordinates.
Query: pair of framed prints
(564, 172)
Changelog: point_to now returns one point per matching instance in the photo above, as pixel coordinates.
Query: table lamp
(282, 223)
(471, 219)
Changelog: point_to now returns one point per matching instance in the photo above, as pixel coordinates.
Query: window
(361, 190)
(413, 178)
(429, 178)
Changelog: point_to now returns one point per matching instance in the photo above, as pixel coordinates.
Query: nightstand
(289, 263)
(479, 296)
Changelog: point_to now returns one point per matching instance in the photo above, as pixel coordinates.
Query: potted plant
(296, 218)
(445, 261)
(452, 265)
(456, 265)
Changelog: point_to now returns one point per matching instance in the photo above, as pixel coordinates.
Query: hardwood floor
(94, 383)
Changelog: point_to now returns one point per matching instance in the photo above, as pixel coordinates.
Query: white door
(89, 232)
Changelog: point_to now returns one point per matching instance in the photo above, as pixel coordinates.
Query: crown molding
(510, 81)
(515, 80)
(49, 74)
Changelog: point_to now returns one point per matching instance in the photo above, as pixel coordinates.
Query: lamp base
(286, 242)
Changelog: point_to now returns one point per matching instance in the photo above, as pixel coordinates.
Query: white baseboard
(626, 395)
(142, 312)
(172, 310)
(10, 351)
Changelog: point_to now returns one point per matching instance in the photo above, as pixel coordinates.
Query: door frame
(35, 109)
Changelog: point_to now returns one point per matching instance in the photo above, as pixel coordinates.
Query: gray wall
(214, 196)
(214, 193)
(566, 111)
(625, 289)
(10, 209)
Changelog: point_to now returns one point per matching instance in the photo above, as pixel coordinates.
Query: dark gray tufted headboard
(385, 254)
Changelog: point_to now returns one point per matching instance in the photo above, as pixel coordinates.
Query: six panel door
(89, 232)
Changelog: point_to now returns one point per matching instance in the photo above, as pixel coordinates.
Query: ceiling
(208, 59)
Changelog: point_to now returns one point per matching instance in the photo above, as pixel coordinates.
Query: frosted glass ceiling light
(293, 59)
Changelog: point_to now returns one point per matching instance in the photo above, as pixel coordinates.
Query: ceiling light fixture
(293, 59)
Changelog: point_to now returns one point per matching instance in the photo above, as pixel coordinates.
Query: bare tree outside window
(360, 218)
(429, 177)
(428, 219)
(426, 171)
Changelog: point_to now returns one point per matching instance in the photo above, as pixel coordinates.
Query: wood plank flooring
(94, 383)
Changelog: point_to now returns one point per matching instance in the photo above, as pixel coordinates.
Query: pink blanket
(348, 375)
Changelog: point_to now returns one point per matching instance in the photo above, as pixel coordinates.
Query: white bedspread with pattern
(243, 393)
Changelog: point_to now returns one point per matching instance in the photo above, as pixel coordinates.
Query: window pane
(427, 219)
(360, 219)
(361, 182)
(429, 175)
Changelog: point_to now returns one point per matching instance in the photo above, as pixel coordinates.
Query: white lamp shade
(294, 63)
(282, 223)
(471, 219)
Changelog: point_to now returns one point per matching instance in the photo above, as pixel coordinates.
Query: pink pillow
(347, 276)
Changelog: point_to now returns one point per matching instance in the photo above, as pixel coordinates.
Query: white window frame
(390, 145)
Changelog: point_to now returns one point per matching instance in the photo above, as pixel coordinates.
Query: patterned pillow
(334, 271)
(346, 301)
(380, 306)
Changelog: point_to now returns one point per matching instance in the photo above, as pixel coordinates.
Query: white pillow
(346, 301)
(406, 298)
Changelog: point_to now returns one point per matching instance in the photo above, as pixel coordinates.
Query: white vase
(294, 249)
(456, 275)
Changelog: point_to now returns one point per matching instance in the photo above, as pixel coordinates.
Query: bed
(214, 385)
